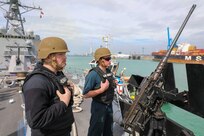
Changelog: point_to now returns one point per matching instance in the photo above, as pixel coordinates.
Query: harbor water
(79, 64)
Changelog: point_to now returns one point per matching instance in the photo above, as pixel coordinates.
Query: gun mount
(147, 105)
(18, 46)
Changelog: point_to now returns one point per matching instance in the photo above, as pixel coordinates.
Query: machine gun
(147, 105)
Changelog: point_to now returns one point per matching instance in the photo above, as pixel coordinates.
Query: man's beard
(57, 66)
(60, 67)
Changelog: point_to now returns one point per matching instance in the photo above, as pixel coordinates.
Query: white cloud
(132, 24)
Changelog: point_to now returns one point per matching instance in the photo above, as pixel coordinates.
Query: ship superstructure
(18, 47)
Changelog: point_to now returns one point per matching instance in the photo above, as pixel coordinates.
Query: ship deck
(82, 121)
(11, 112)
(12, 115)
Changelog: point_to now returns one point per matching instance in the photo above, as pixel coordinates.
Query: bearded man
(47, 97)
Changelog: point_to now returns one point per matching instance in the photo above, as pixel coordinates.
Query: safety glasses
(107, 58)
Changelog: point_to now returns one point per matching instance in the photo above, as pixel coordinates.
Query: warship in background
(18, 47)
(17, 58)
(182, 53)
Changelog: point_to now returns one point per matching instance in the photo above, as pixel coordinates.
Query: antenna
(106, 40)
(13, 15)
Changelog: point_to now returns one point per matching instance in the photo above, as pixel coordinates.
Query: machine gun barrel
(145, 104)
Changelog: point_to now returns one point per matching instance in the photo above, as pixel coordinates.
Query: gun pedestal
(157, 124)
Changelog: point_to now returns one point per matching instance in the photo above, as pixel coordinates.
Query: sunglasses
(107, 58)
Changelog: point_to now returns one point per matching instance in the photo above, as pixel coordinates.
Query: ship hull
(187, 59)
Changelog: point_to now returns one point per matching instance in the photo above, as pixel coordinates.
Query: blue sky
(134, 26)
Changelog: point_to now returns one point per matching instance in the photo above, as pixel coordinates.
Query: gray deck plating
(11, 113)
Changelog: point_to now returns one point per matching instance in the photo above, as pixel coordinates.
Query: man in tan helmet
(48, 98)
(100, 85)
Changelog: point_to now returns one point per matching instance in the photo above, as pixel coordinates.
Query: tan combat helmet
(101, 52)
(51, 45)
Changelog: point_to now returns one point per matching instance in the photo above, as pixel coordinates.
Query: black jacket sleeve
(42, 109)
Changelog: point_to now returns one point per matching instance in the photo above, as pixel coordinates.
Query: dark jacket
(45, 113)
